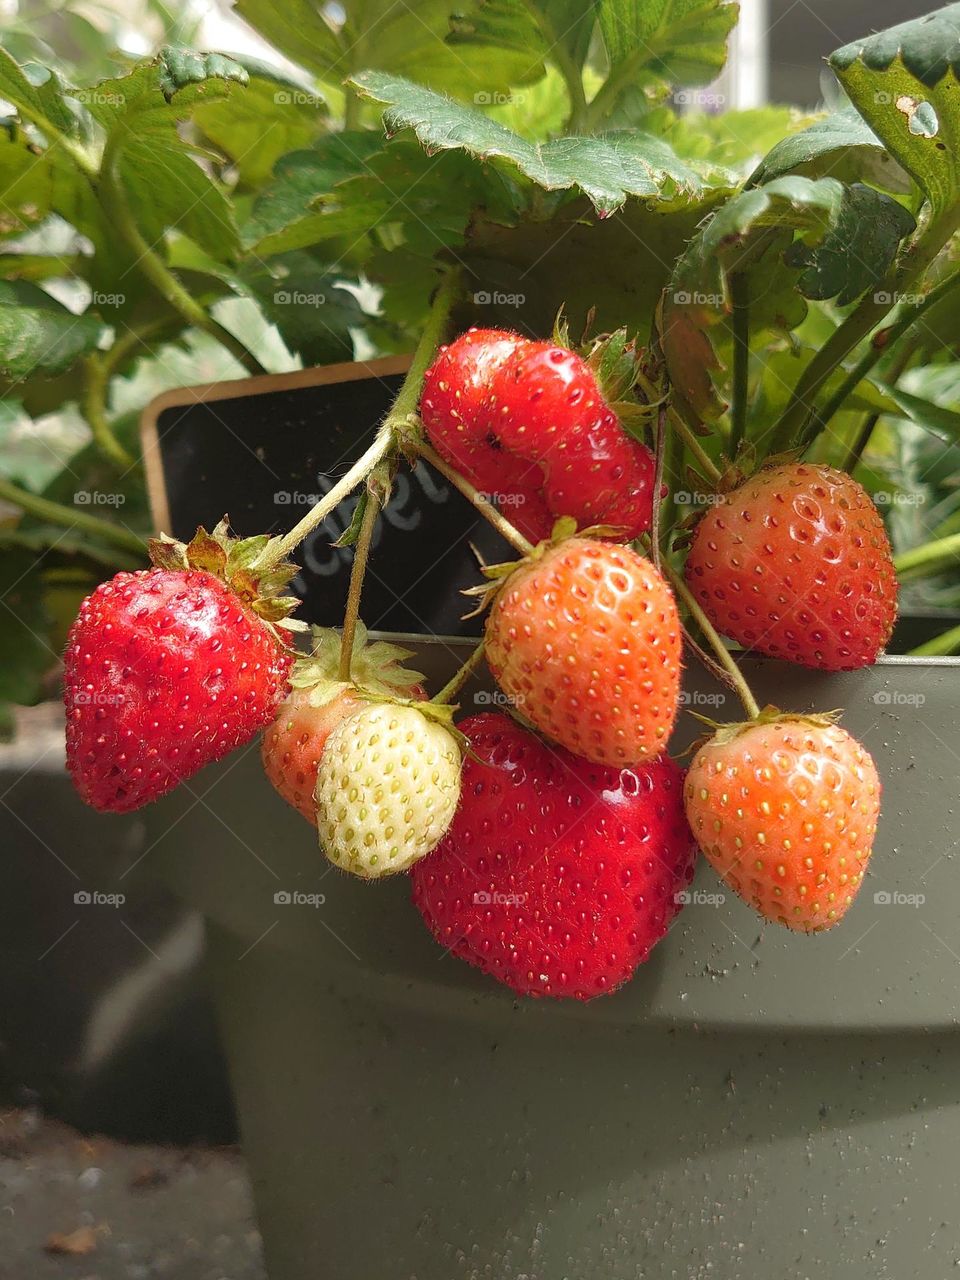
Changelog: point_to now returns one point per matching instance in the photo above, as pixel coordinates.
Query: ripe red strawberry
(786, 811)
(795, 563)
(586, 642)
(453, 408)
(528, 421)
(319, 700)
(168, 669)
(557, 876)
(546, 407)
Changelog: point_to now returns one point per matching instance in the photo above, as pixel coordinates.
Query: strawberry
(546, 407)
(170, 668)
(586, 642)
(786, 809)
(387, 787)
(319, 700)
(528, 422)
(796, 563)
(557, 876)
(453, 410)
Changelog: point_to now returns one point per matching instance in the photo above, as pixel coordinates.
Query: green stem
(740, 296)
(940, 646)
(922, 562)
(705, 462)
(361, 555)
(56, 137)
(621, 76)
(733, 673)
(114, 202)
(397, 421)
(94, 404)
(460, 677)
(859, 323)
(854, 451)
(57, 513)
(476, 499)
(565, 64)
(908, 317)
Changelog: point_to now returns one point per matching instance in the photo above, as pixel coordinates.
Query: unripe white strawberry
(387, 789)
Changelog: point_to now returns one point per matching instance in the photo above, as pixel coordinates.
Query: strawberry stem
(395, 423)
(361, 554)
(460, 678)
(475, 498)
(704, 461)
(733, 674)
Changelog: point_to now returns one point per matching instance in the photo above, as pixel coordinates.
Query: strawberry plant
(687, 382)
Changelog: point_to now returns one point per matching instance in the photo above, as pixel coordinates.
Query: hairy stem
(94, 404)
(460, 677)
(734, 675)
(703, 459)
(476, 499)
(396, 421)
(361, 554)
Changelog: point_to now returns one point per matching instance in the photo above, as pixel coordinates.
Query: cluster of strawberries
(553, 853)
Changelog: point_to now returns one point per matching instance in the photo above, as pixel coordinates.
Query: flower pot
(754, 1104)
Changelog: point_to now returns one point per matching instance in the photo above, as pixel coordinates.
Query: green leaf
(941, 422)
(25, 654)
(38, 335)
(683, 41)
(167, 188)
(841, 145)
(607, 169)
(857, 250)
(306, 301)
(405, 39)
(790, 238)
(904, 82)
(273, 115)
(36, 93)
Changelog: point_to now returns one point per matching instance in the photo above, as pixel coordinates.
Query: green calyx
(376, 669)
(233, 561)
(721, 734)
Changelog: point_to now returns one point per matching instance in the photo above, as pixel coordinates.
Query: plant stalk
(57, 513)
(739, 291)
(703, 459)
(460, 677)
(361, 554)
(930, 558)
(475, 498)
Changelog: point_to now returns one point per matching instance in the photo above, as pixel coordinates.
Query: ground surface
(81, 1208)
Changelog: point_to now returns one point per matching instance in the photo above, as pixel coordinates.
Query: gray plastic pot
(754, 1104)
